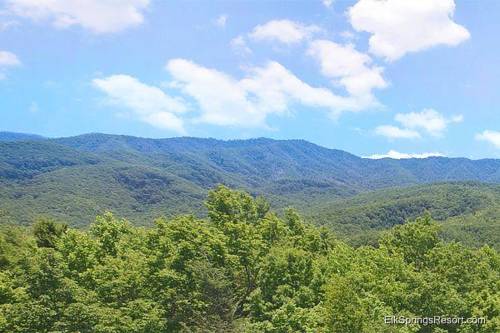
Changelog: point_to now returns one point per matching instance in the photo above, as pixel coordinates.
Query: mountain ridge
(74, 178)
(5, 136)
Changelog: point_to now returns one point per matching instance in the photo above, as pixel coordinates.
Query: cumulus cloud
(98, 16)
(274, 88)
(284, 31)
(428, 119)
(397, 155)
(271, 89)
(492, 137)
(414, 123)
(393, 132)
(348, 67)
(400, 27)
(147, 103)
(220, 97)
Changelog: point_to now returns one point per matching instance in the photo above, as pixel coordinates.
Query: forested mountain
(256, 162)
(12, 136)
(75, 178)
(469, 212)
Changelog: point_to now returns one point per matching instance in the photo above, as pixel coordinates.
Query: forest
(74, 179)
(242, 268)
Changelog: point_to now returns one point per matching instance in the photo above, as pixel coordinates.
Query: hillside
(469, 212)
(12, 136)
(257, 161)
(75, 178)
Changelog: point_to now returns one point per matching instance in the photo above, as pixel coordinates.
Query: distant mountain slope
(470, 212)
(242, 162)
(21, 160)
(78, 177)
(276, 160)
(11, 136)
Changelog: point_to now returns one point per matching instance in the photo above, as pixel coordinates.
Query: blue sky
(412, 78)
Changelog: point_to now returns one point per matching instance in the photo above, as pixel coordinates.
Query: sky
(375, 78)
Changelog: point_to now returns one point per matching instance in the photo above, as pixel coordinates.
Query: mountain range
(75, 178)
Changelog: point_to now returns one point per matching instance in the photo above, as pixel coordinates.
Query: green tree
(47, 232)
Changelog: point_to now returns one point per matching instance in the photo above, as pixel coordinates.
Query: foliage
(469, 212)
(242, 269)
(47, 232)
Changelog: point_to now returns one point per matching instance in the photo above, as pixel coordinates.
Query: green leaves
(225, 205)
(412, 240)
(47, 232)
(109, 231)
(244, 269)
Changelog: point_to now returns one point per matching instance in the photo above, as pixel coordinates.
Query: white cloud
(284, 31)
(492, 137)
(350, 68)
(327, 3)
(397, 155)
(239, 45)
(275, 88)
(148, 103)
(394, 132)
(98, 16)
(221, 99)
(428, 119)
(221, 21)
(272, 89)
(8, 59)
(399, 27)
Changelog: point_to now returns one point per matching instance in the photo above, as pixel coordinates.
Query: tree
(412, 240)
(47, 232)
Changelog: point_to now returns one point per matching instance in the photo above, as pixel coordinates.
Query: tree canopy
(242, 269)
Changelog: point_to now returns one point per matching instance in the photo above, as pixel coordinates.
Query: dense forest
(243, 268)
(468, 212)
(76, 178)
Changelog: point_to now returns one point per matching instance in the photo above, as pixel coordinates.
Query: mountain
(468, 211)
(256, 160)
(12, 136)
(75, 178)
